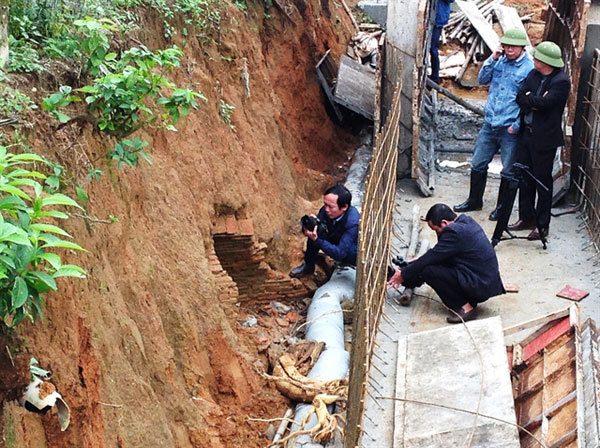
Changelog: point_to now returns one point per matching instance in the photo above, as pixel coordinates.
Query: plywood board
(356, 86)
(483, 27)
(442, 367)
(509, 18)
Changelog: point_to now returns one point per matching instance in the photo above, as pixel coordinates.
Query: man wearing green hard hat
(542, 100)
(505, 71)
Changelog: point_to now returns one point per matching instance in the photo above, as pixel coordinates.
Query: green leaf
(51, 258)
(27, 157)
(17, 239)
(63, 244)
(19, 293)
(81, 195)
(70, 270)
(39, 279)
(48, 228)
(61, 117)
(15, 191)
(59, 199)
(10, 202)
(53, 214)
(8, 261)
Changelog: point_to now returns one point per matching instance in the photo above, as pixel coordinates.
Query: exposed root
(298, 387)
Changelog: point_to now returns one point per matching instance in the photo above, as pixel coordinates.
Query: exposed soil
(144, 350)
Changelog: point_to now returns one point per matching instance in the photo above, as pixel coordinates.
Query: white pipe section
(326, 324)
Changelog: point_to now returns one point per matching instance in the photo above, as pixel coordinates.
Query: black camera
(398, 261)
(310, 222)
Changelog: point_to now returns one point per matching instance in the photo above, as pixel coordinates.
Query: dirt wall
(143, 350)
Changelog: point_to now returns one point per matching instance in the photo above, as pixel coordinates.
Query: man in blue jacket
(462, 267)
(505, 71)
(338, 236)
(441, 18)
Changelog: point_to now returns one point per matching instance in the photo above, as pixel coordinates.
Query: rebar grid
(588, 183)
(373, 252)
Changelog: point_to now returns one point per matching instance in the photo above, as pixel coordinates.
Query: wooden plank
(483, 27)
(400, 406)
(325, 62)
(509, 18)
(537, 321)
(545, 338)
(356, 87)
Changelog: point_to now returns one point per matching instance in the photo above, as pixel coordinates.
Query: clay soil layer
(147, 351)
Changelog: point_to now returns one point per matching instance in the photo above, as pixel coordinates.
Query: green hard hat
(549, 53)
(516, 37)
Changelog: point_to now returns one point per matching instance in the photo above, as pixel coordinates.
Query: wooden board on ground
(483, 27)
(442, 367)
(568, 292)
(509, 18)
(356, 87)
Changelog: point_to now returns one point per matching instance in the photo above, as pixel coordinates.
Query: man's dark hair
(343, 194)
(439, 213)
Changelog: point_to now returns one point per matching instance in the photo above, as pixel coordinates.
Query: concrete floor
(540, 274)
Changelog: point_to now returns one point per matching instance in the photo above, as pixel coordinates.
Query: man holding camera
(505, 71)
(334, 231)
(462, 267)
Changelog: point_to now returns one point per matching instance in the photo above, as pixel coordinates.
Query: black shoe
(494, 215)
(468, 206)
(466, 316)
(301, 270)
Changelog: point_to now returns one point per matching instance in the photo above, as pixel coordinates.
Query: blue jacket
(443, 12)
(505, 78)
(464, 246)
(341, 242)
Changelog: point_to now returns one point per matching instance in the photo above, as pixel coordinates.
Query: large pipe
(325, 323)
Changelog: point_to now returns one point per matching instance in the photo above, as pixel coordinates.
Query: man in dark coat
(338, 236)
(462, 267)
(542, 100)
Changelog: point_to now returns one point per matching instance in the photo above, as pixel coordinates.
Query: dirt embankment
(145, 351)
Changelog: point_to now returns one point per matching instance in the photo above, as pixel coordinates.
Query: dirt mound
(145, 351)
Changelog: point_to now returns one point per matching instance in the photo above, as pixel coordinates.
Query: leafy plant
(225, 110)
(129, 152)
(13, 101)
(119, 100)
(29, 266)
(22, 57)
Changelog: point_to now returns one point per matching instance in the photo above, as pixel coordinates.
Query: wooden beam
(456, 99)
(537, 321)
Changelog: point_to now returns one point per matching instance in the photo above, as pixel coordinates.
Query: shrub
(29, 266)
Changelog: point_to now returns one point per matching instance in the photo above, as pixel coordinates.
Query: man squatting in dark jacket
(462, 267)
(340, 241)
(542, 99)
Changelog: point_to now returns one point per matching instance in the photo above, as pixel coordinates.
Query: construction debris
(472, 30)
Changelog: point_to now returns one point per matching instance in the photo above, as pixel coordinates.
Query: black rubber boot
(475, 201)
(502, 199)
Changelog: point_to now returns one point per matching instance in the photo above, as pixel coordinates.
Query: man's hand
(497, 53)
(511, 130)
(311, 235)
(396, 279)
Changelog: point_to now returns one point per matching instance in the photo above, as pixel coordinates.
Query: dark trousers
(540, 163)
(310, 256)
(434, 53)
(444, 281)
